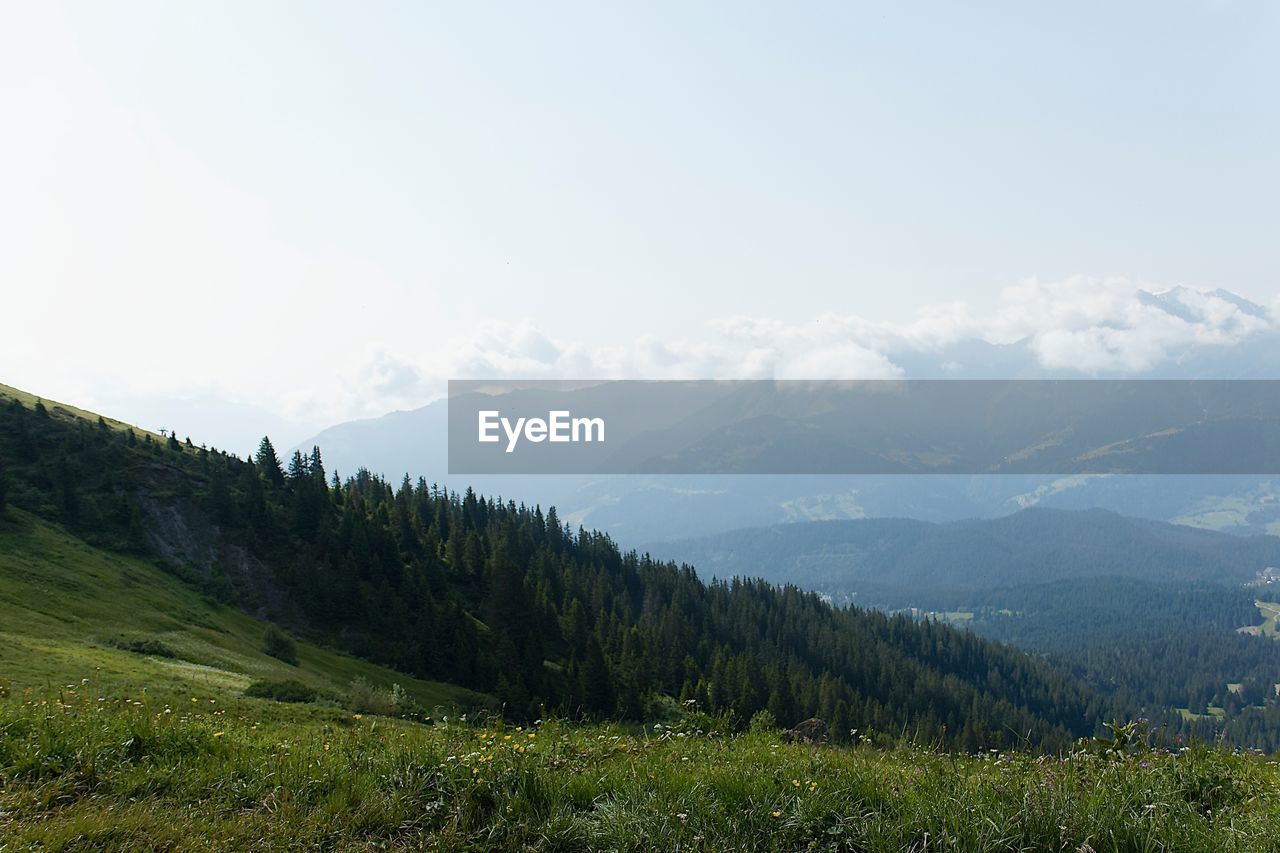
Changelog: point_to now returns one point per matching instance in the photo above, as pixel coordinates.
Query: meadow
(131, 719)
(85, 766)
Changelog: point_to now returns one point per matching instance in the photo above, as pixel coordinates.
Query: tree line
(505, 599)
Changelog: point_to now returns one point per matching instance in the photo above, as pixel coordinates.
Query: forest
(504, 599)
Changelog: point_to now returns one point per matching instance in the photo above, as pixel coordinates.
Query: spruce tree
(297, 467)
(269, 462)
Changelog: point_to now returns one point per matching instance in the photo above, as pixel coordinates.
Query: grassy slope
(61, 600)
(105, 749)
(1270, 613)
(87, 768)
(56, 408)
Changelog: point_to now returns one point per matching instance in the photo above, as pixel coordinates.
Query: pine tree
(596, 684)
(297, 468)
(315, 467)
(841, 723)
(269, 463)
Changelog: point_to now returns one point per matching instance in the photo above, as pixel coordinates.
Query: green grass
(1270, 613)
(88, 767)
(66, 410)
(958, 617)
(1212, 712)
(1225, 512)
(66, 606)
(103, 748)
(1270, 626)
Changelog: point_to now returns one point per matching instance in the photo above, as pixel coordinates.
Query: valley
(271, 654)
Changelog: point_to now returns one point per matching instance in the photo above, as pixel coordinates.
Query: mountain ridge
(507, 601)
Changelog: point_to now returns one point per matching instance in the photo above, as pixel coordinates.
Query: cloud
(1101, 325)
(1081, 325)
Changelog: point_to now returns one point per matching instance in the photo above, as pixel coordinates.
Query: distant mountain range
(897, 562)
(647, 508)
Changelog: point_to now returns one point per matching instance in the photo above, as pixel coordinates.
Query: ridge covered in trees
(505, 599)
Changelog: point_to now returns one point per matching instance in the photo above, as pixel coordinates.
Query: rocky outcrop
(813, 731)
(184, 536)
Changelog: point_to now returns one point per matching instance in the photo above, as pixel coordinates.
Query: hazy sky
(303, 206)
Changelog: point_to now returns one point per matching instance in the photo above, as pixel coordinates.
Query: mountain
(496, 598)
(907, 562)
(651, 507)
(1192, 335)
(1163, 614)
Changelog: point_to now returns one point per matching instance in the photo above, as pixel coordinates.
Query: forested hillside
(503, 598)
(1143, 611)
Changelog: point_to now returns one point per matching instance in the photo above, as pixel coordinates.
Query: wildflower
(219, 734)
(795, 782)
(777, 814)
(326, 746)
(356, 717)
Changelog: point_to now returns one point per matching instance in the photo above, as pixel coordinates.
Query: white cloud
(1086, 325)
(1097, 325)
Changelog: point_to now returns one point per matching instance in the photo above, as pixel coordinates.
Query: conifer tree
(297, 467)
(269, 463)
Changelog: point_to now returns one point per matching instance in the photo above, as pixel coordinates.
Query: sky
(300, 213)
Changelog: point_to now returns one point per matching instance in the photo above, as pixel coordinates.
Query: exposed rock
(811, 730)
(182, 534)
